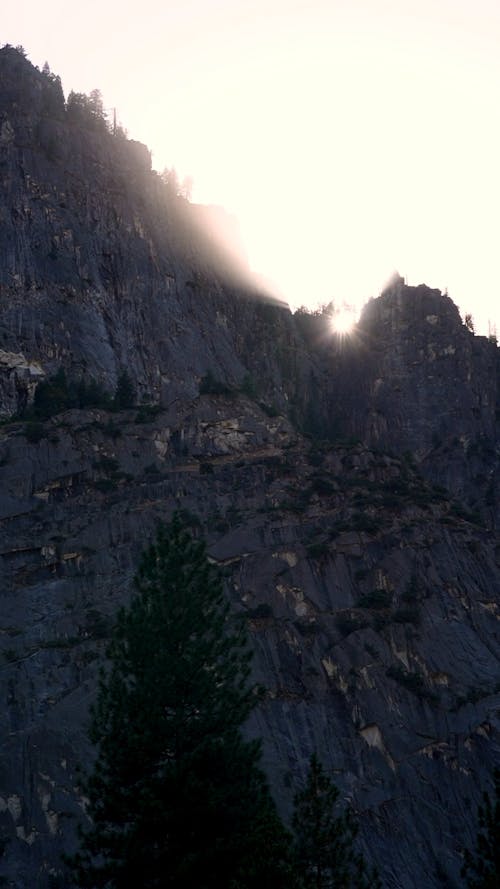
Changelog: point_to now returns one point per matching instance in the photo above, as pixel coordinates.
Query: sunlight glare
(343, 321)
(347, 138)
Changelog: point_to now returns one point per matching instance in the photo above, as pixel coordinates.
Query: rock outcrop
(348, 492)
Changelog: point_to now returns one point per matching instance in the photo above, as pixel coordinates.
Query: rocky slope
(348, 492)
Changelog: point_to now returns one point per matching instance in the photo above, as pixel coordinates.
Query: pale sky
(350, 137)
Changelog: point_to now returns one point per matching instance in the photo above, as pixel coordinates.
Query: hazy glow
(343, 321)
(350, 139)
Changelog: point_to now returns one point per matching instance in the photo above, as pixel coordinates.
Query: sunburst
(343, 321)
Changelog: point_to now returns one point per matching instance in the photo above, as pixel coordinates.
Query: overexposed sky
(350, 137)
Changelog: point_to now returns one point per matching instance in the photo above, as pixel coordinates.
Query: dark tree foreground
(482, 867)
(325, 853)
(177, 798)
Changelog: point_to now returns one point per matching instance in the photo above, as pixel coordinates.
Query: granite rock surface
(347, 490)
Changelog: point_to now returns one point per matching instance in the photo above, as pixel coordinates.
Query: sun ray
(343, 320)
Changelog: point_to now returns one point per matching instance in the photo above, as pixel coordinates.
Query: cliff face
(415, 379)
(368, 572)
(103, 269)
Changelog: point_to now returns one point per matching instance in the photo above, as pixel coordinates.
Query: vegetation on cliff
(325, 853)
(177, 796)
(482, 866)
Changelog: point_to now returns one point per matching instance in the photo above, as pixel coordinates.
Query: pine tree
(176, 797)
(482, 868)
(125, 393)
(324, 842)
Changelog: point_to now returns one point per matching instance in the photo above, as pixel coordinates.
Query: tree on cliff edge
(176, 797)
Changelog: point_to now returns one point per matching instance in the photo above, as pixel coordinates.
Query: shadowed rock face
(368, 571)
(103, 269)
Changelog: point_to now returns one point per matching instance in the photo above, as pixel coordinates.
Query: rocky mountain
(348, 490)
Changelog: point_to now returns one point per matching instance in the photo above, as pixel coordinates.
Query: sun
(343, 321)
